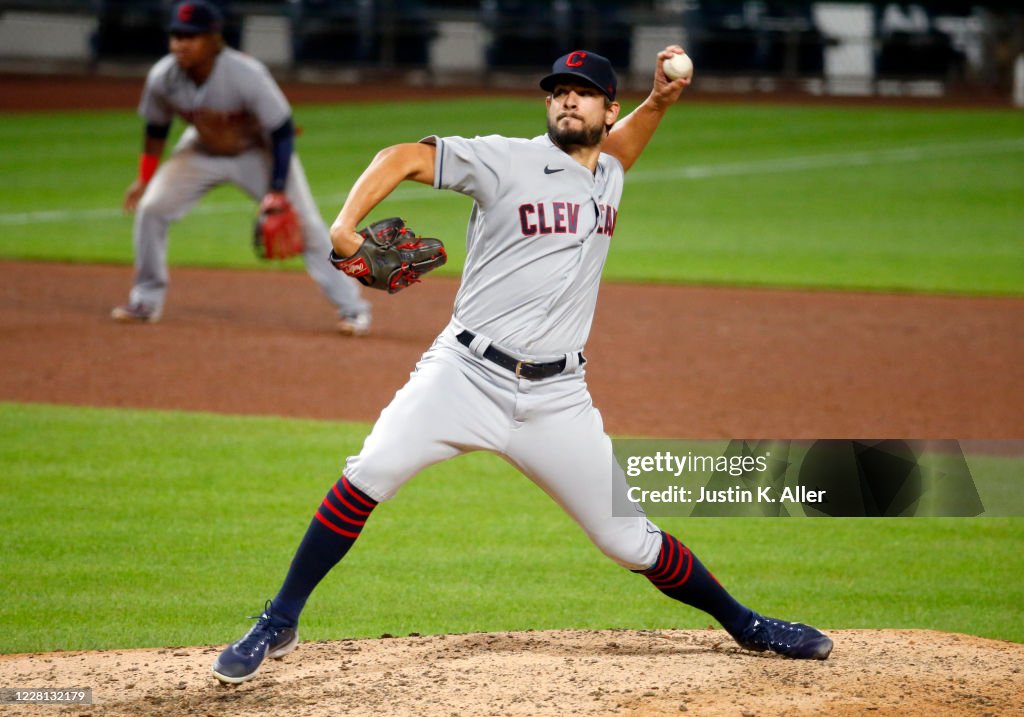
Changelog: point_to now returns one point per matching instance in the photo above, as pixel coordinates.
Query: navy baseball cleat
(790, 639)
(241, 661)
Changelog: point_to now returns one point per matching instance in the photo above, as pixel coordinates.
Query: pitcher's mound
(568, 672)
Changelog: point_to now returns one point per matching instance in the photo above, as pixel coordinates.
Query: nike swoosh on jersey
(548, 170)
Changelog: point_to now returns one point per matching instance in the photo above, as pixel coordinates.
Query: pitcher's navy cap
(195, 17)
(583, 65)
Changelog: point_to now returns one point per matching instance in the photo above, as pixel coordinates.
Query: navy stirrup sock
(334, 528)
(682, 577)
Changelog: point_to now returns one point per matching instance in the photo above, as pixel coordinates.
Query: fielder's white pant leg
(342, 290)
(253, 176)
(178, 184)
(562, 447)
(449, 406)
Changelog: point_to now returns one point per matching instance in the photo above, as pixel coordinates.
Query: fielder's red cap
(584, 65)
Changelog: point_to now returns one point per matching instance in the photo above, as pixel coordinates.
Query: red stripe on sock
(333, 527)
(666, 559)
(686, 576)
(338, 495)
(668, 543)
(359, 523)
(358, 495)
(662, 579)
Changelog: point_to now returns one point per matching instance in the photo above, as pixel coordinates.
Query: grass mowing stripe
(923, 153)
(132, 528)
(208, 208)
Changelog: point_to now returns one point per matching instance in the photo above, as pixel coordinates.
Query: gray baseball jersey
(231, 116)
(235, 109)
(537, 240)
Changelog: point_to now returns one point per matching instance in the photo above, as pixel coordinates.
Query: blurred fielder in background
(241, 132)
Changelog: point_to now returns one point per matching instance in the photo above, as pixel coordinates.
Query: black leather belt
(522, 369)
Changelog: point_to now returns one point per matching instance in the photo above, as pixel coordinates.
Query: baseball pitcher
(240, 132)
(507, 373)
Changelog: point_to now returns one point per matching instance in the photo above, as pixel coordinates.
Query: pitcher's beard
(581, 137)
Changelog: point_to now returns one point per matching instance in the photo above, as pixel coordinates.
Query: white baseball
(678, 66)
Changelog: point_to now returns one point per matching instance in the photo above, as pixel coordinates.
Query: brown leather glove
(391, 256)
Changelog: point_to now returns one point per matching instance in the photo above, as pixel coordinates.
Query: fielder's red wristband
(147, 167)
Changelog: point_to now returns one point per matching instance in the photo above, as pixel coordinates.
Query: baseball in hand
(678, 66)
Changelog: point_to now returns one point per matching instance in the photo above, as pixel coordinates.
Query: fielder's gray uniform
(537, 241)
(231, 116)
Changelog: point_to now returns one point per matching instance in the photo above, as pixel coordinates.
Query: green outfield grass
(130, 528)
(884, 198)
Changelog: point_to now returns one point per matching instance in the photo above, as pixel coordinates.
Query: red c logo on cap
(575, 59)
(185, 13)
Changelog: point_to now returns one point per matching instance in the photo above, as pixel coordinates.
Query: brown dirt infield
(672, 361)
(692, 362)
(905, 673)
(32, 93)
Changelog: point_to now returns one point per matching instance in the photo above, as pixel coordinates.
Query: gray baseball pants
(189, 174)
